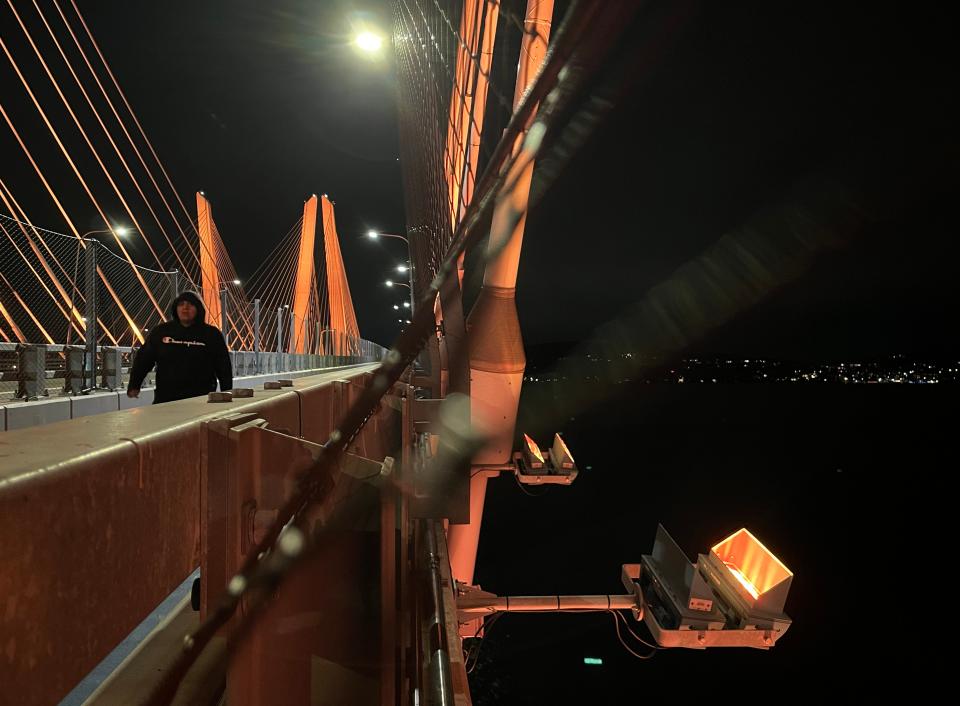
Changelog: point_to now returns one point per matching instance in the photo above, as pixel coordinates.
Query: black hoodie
(189, 359)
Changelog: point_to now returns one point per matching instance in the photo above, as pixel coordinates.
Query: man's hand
(133, 392)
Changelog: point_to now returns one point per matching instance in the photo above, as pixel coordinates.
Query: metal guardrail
(35, 371)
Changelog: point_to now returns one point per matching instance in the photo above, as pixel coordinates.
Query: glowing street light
(121, 231)
(391, 283)
(395, 307)
(374, 234)
(236, 282)
(369, 42)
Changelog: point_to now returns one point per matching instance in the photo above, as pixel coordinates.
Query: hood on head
(194, 299)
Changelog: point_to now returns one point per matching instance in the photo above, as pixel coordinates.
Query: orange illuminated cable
(145, 314)
(263, 278)
(273, 299)
(279, 293)
(3, 333)
(17, 210)
(83, 132)
(269, 259)
(120, 121)
(27, 309)
(56, 201)
(271, 283)
(12, 324)
(117, 300)
(59, 142)
(239, 303)
(106, 132)
(66, 155)
(273, 286)
(288, 283)
(64, 312)
(224, 266)
(125, 102)
(39, 173)
(43, 262)
(320, 292)
(273, 289)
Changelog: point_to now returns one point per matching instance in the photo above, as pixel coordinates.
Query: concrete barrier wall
(100, 520)
(21, 415)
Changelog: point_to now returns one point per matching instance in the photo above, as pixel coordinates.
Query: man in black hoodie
(190, 355)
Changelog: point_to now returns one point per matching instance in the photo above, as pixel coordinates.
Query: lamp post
(374, 235)
(90, 304)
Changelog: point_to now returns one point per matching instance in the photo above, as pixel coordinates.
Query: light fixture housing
(731, 597)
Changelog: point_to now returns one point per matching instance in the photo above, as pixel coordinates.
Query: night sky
(734, 110)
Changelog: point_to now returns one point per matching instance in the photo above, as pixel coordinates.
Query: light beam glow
(369, 42)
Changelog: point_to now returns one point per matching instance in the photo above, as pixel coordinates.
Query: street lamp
(122, 231)
(369, 42)
(236, 282)
(374, 234)
(391, 283)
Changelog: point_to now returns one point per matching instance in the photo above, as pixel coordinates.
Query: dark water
(826, 476)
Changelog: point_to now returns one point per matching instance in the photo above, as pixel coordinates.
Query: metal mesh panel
(425, 52)
(41, 281)
(130, 299)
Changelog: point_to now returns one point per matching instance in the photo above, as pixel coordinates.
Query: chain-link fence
(74, 311)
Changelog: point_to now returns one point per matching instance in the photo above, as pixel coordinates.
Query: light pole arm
(95, 232)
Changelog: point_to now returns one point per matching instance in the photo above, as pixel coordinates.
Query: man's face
(186, 312)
